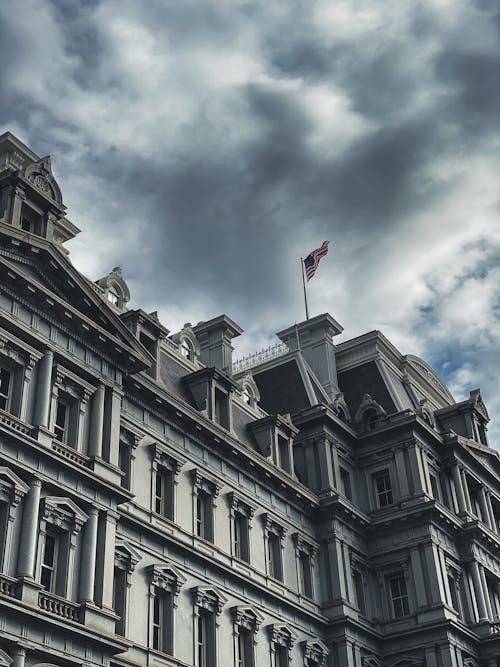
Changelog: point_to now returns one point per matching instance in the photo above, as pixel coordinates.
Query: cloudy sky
(205, 146)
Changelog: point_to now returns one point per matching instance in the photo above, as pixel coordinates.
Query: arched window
(186, 349)
(370, 419)
(114, 295)
(248, 395)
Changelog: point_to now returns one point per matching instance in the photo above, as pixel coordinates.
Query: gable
(44, 276)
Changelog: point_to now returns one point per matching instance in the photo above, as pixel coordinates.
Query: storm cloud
(206, 147)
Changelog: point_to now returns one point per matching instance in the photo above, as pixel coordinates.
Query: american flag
(312, 260)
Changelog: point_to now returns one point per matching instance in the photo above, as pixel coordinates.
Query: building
(314, 505)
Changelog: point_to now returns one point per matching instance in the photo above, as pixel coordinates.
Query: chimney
(214, 338)
(314, 338)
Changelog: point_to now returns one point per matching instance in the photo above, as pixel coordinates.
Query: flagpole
(304, 286)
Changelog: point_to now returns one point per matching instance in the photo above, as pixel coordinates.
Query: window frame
(402, 597)
(208, 603)
(205, 491)
(241, 513)
(305, 556)
(281, 641)
(167, 464)
(274, 535)
(165, 583)
(383, 473)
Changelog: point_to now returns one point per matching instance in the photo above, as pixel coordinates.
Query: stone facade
(316, 505)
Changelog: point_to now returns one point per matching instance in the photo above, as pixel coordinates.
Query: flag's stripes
(312, 260)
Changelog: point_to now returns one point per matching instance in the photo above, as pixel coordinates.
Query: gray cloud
(206, 146)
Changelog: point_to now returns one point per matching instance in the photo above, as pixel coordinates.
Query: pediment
(45, 277)
(65, 504)
(11, 478)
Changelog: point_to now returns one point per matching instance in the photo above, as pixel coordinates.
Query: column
(459, 491)
(489, 611)
(430, 657)
(97, 422)
(348, 573)
(478, 591)
(416, 566)
(493, 521)
(438, 594)
(17, 196)
(425, 467)
(401, 468)
(485, 512)
(325, 464)
(88, 558)
(29, 532)
(466, 490)
(19, 657)
(112, 424)
(417, 474)
(106, 559)
(336, 467)
(43, 390)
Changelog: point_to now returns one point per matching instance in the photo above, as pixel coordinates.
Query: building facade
(313, 505)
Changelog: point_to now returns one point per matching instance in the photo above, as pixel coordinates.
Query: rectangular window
(204, 515)
(241, 537)
(164, 493)
(245, 648)
(399, 597)
(383, 488)
(125, 463)
(305, 574)
(206, 639)
(281, 656)
(345, 478)
(119, 599)
(284, 453)
(61, 422)
(48, 576)
(221, 408)
(5, 388)
(360, 593)
(274, 555)
(434, 487)
(162, 620)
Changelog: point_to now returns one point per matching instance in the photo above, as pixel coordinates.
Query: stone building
(313, 505)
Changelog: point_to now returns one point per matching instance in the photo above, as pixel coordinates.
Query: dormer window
(114, 295)
(274, 435)
(370, 419)
(211, 390)
(186, 349)
(369, 414)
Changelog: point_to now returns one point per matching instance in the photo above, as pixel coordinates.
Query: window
(245, 648)
(114, 295)
(162, 625)
(60, 521)
(246, 624)
(186, 349)
(305, 578)
(370, 419)
(126, 558)
(205, 492)
(399, 596)
(208, 603)
(49, 562)
(5, 388)
(204, 523)
(283, 453)
(282, 640)
(305, 553)
(315, 653)
(248, 396)
(241, 515)
(221, 408)
(434, 486)
(274, 535)
(165, 583)
(360, 593)
(164, 493)
(61, 421)
(164, 480)
(119, 599)
(383, 488)
(345, 479)
(125, 464)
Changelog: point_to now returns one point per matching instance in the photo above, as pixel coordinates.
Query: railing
(69, 453)
(58, 606)
(14, 422)
(257, 358)
(8, 586)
